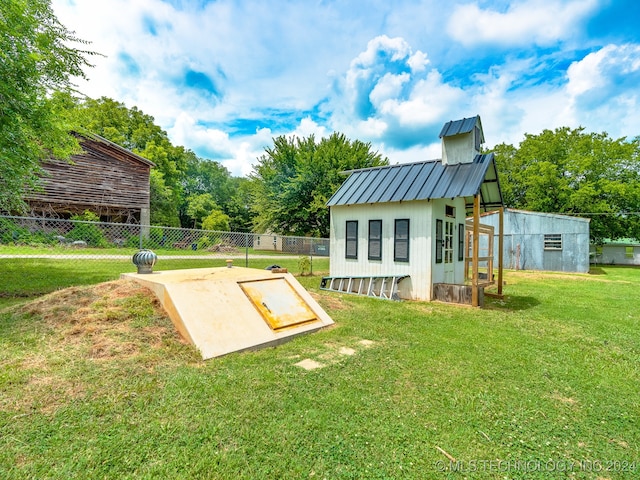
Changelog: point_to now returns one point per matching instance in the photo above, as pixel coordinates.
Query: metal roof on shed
(422, 181)
(458, 127)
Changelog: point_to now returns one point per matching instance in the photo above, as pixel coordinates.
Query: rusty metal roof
(423, 181)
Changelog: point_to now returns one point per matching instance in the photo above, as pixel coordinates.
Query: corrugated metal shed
(423, 181)
(526, 235)
(457, 127)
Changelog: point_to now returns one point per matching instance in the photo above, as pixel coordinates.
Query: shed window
(352, 239)
(460, 242)
(553, 241)
(628, 252)
(375, 239)
(439, 241)
(450, 211)
(401, 240)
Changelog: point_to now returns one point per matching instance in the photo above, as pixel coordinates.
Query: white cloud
(419, 153)
(418, 61)
(602, 68)
(540, 22)
(364, 72)
(396, 47)
(603, 89)
(237, 155)
(308, 127)
(429, 101)
(392, 94)
(388, 87)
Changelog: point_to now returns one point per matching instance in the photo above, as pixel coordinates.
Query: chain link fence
(34, 237)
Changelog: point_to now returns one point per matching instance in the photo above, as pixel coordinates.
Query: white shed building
(619, 252)
(406, 222)
(543, 241)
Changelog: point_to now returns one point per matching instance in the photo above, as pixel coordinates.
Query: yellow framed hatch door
(278, 303)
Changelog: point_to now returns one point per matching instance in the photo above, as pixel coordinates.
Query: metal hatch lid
(278, 303)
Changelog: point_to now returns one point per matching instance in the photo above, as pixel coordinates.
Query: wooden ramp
(372, 286)
(223, 310)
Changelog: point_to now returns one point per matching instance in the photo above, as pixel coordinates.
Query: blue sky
(225, 77)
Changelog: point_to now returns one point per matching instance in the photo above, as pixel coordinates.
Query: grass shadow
(512, 303)
(597, 271)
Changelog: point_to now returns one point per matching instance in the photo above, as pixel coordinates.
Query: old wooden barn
(105, 178)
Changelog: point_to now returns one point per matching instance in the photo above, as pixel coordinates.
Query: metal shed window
(401, 241)
(352, 239)
(553, 241)
(375, 239)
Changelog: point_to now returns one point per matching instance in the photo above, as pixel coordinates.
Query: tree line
(568, 171)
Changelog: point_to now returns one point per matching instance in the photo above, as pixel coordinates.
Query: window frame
(450, 211)
(353, 240)
(400, 241)
(439, 241)
(461, 235)
(372, 240)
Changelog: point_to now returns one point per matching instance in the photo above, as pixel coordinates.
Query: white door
(449, 276)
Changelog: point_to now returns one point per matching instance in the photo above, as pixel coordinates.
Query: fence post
(246, 249)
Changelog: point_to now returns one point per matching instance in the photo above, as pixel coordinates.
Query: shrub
(11, 233)
(88, 232)
(304, 264)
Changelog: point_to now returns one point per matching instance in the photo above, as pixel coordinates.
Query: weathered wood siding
(104, 175)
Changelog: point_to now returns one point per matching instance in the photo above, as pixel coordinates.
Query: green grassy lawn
(7, 249)
(23, 279)
(543, 384)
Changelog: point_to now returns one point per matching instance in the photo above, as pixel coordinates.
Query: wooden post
(500, 248)
(475, 252)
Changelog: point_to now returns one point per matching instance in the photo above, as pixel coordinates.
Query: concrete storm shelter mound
(224, 310)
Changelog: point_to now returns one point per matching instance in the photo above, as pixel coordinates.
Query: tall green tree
(180, 177)
(574, 172)
(199, 207)
(238, 205)
(294, 179)
(36, 59)
(164, 210)
(136, 131)
(203, 176)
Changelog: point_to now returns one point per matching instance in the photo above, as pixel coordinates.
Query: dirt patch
(333, 353)
(329, 302)
(309, 364)
(87, 333)
(113, 319)
(565, 400)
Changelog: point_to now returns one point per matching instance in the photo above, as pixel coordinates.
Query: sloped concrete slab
(224, 310)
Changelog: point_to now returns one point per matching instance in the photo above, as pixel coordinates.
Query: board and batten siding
(453, 272)
(418, 287)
